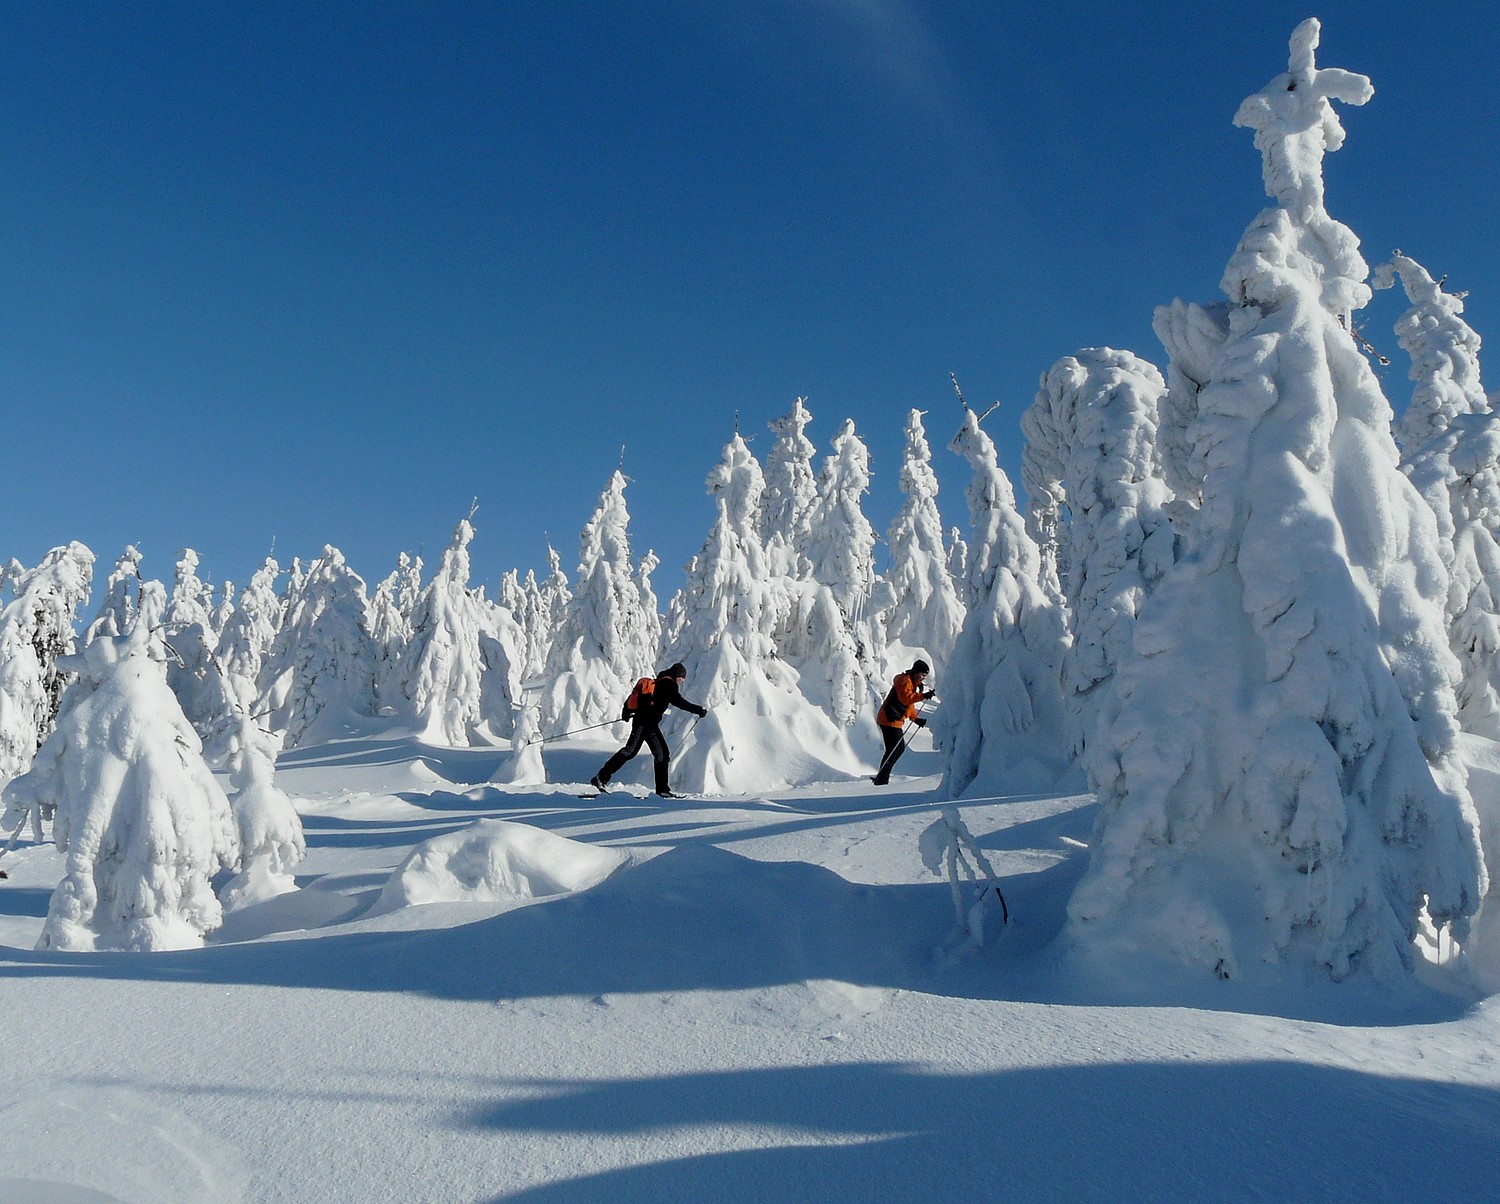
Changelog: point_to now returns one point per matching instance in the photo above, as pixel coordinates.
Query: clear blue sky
(327, 272)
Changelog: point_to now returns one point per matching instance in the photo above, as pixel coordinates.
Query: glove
(702, 711)
(919, 721)
(929, 694)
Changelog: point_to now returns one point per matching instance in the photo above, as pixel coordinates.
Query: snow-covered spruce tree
(140, 820)
(1451, 438)
(1444, 352)
(1002, 720)
(120, 593)
(223, 608)
(441, 667)
(553, 598)
(650, 606)
(190, 636)
(791, 488)
(271, 841)
(927, 615)
(829, 629)
(1193, 336)
(1091, 446)
(390, 630)
(1285, 785)
(603, 644)
(249, 633)
(36, 628)
(761, 733)
(321, 669)
(502, 643)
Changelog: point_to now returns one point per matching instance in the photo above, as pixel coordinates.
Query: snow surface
(758, 1006)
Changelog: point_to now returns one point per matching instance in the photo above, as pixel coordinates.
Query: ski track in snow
(756, 1006)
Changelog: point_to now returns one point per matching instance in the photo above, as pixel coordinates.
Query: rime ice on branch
(1283, 784)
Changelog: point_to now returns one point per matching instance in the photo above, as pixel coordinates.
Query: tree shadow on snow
(698, 917)
(1182, 1131)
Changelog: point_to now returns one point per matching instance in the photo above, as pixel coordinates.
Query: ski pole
(895, 753)
(574, 732)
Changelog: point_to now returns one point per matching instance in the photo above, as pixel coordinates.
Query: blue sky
(328, 272)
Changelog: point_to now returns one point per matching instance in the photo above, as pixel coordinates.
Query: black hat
(921, 666)
(677, 670)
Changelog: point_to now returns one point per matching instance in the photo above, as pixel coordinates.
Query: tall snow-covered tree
(927, 615)
(1091, 446)
(120, 592)
(390, 626)
(1451, 441)
(249, 633)
(36, 629)
(321, 669)
(650, 606)
(603, 643)
(1002, 721)
(791, 488)
(1285, 784)
(190, 636)
(760, 732)
(441, 667)
(140, 820)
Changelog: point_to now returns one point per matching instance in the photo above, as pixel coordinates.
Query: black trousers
(641, 733)
(893, 750)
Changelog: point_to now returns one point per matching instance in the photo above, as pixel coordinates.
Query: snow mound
(496, 861)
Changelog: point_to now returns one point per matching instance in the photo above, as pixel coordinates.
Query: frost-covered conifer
(224, 608)
(36, 628)
(650, 607)
(271, 841)
(958, 562)
(120, 593)
(390, 629)
(841, 543)
(760, 732)
(790, 490)
(1451, 439)
(553, 597)
(140, 820)
(1193, 336)
(321, 669)
(927, 615)
(603, 642)
(1285, 785)
(190, 636)
(249, 633)
(408, 583)
(1002, 720)
(441, 667)
(1091, 447)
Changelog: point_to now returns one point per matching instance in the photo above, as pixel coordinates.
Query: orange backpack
(644, 691)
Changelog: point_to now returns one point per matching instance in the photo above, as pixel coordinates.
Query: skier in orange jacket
(900, 705)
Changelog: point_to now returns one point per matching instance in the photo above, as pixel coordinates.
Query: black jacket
(666, 694)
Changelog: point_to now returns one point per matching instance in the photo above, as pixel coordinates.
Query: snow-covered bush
(271, 841)
(1284, 783)
(140, 820)
(946, 846)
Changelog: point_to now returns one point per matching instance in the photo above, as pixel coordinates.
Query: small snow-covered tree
(321, 669)
(1451, 438)
(1002, 721)
(760, 732)
(190, 636)
(603, 643)
(441, 668)
(390, 627)
(271, 840)
(120, 593)
(790, 490)
(140, 820)
(223, 608)
(1285, 784)
(36, 629)
(249, 633)
(1091, 446)
(927, 615)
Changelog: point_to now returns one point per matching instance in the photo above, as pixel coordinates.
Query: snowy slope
(752, 1006)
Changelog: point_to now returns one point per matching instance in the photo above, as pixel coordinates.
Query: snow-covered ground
(756, 1003)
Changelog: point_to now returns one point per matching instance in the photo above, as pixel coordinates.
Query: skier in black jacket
(645, 728)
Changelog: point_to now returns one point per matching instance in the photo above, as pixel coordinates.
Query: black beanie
(921, 667)
(677, 670)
